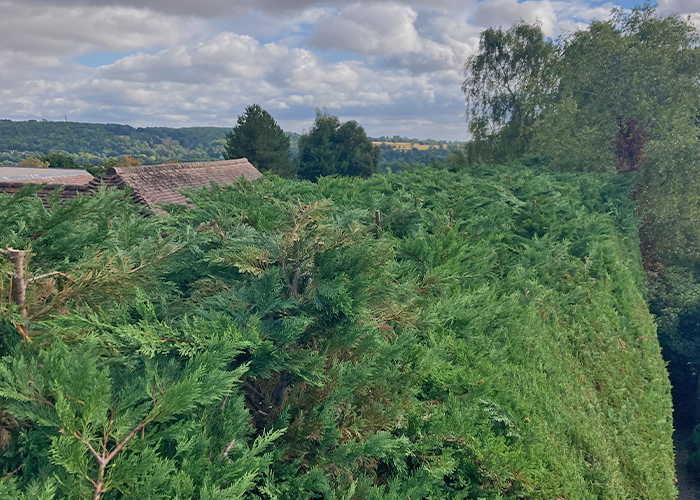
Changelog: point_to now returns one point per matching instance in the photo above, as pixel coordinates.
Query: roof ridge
(47, 175)
(174, 166)
(46, 185)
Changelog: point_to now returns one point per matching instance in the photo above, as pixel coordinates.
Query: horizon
(43, 120)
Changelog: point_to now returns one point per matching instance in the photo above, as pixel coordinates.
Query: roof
(153, 185)
(69, 181)
(34, 175)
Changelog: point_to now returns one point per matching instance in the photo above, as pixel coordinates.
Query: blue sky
(394, 66)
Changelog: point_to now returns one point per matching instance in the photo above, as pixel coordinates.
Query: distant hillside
(94, 142)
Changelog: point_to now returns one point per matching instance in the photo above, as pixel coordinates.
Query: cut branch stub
(19, 284)
(294, 285)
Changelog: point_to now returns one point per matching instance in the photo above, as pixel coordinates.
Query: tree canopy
(331, 148)
(93, 143)
(258, 137)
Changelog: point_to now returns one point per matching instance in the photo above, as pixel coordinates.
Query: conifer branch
(46, 402)
(107, 432)
(105, 458)
(126, 440)
(338, 244)
(228, 448)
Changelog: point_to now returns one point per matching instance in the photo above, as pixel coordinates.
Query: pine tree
(258, 137)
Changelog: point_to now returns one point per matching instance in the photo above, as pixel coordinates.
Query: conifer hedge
(426, 335)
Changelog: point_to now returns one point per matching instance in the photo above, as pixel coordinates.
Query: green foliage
(637, 65)
(487, 340)
(57, 160)
(257, 137)
(330, 148)
(395, 160)
(627, 100)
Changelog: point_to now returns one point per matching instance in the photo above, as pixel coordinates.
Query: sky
(394, 66)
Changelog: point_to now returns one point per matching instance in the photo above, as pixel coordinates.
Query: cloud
(394, 33)
(211, 83)
(506, 12)
(394, 65)
(684, 8)
(374, 29)
(223, 8)
(245, 70)
(43, 35)
(679, 6)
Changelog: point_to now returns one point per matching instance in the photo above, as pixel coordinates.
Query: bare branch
(126, 440)
(100, 460)
(177, 249)
(48, 275)
(228, 448)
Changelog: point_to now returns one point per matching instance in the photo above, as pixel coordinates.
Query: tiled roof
(156, 184)
(33, 175)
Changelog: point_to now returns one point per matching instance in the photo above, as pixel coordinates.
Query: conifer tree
(258, 137)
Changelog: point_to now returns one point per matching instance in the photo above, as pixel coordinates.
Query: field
(407, 146)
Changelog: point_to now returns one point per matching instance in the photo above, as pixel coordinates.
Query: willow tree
(505, 85)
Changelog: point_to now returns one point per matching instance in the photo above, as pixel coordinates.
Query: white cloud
(44, 34)
(391, 31)
(506, 12)
(225, 55)
(679, 6)
(376, 29)
(223, 8)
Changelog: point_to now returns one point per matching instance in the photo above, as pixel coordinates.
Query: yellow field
(406, 146)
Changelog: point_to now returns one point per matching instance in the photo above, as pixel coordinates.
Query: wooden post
(377, 217)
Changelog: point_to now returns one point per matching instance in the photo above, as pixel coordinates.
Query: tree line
(93, 143)
(97, 147)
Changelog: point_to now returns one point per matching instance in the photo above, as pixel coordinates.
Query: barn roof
(153, 185)
(34, 175)
(68, 181)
